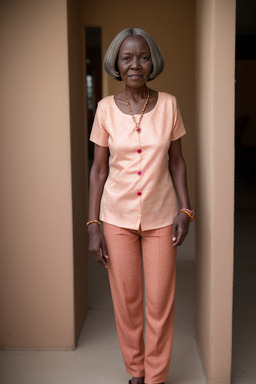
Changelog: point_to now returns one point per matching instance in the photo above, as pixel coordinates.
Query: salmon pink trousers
(127, 250)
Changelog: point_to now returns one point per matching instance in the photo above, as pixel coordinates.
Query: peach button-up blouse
(139, 188)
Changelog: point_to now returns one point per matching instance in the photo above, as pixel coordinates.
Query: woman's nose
(135, 63)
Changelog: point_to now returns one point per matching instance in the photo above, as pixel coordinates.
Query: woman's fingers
(103, 253)
(104, 248)
(99, 257)
(180, 229)
(174, 233)
(102, 259)
(179, 238)
(97, 247)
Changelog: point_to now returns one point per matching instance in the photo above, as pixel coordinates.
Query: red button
(139, 150)
(139, 173)
(138, 130)
(139, 193)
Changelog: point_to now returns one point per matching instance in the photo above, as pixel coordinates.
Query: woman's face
(134, 61)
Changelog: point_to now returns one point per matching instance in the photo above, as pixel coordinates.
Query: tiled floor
(97, 359)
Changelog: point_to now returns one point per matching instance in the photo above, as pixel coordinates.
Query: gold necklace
(142, 113)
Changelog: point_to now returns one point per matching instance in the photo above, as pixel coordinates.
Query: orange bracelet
(188, 212)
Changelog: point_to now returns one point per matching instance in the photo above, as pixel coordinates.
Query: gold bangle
(93, 221)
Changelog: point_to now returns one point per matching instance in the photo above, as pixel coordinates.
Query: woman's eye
(125, 58)
(144, 58)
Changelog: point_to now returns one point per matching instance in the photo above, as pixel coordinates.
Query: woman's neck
(136, 94)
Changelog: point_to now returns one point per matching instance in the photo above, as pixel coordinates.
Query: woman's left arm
(177, 168)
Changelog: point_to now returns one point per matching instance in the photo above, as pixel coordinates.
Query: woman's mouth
(135, 76)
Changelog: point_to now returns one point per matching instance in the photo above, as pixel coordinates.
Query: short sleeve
(178, 128)
(99, 135)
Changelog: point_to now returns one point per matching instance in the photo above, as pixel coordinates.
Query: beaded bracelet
(188, 212)
(93, 221)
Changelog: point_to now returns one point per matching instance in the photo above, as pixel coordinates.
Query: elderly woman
(138, 190)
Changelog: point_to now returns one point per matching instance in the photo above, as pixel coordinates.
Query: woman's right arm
(98, 176)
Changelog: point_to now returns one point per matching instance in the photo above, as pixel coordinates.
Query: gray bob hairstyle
(110, 59)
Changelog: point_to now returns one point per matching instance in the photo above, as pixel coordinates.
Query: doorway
(244, 312)
(93, 78)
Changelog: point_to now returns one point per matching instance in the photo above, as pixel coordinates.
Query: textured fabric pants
(126, 249)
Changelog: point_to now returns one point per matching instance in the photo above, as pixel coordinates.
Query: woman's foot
(136, 380)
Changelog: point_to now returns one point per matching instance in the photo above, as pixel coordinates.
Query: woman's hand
(97, 244)
(180, 228)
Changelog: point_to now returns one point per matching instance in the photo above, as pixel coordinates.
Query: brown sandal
(130, 382)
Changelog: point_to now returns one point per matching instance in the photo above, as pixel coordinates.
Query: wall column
(215, 43)
(36, 220)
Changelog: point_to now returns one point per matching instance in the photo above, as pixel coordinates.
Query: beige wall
(172, 25)
(37, 277)
(215, 184)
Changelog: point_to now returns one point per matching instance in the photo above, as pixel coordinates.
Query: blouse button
(139, 193)
(139, 150)
(138, 130)
(139, 173)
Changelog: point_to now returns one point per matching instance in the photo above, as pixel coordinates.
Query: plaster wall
(36, 246)
(215, 42)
